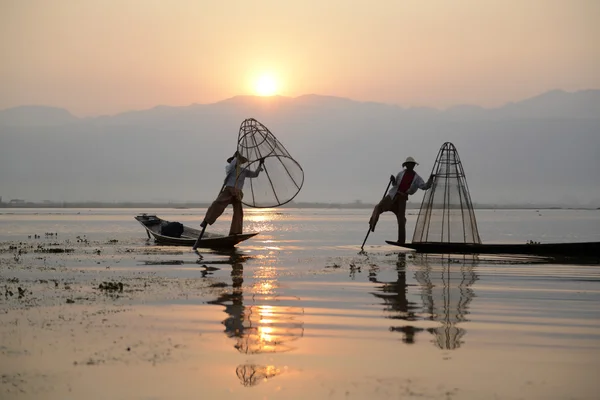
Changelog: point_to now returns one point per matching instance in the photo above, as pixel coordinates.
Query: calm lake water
(297, 312)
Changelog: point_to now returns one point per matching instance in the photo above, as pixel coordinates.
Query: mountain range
(542, 150)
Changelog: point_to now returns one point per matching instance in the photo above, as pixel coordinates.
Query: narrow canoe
(153, 225)
(578, 249)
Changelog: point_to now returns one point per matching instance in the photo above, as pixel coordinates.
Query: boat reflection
(259, 322)
(395, 301)
(446, 292)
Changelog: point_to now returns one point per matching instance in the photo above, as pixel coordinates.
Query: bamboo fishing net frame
(447, 214)
(282, 176)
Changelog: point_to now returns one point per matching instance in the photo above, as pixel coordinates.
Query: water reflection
(262, 220)
(252, 374)
(446, 291)
(260, 321)
(395, 301)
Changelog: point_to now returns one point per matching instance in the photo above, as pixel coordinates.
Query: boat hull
(581, 249)
(153, 225)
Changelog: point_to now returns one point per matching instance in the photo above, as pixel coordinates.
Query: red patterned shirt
(406, 181)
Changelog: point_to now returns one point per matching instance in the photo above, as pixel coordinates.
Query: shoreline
(289, 205)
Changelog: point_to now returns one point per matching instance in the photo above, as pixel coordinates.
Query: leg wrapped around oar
(375, 217)
(384, 205)
(226, 197)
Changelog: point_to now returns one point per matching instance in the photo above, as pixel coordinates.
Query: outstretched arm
(418, 183)
(427, 185)
(254, 174)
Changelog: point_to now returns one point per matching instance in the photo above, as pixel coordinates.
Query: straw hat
(242, 158)
(409, 160)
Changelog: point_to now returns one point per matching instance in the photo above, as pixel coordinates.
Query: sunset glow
(203, 52)
(266, 85)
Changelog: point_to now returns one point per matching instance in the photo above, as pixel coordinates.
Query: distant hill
(557, 104)
(539, 150)
(553, 104)
(36, 116)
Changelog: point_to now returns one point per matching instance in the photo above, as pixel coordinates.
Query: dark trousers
(398, 207)
(229, 195)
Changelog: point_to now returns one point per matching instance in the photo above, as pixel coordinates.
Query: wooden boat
(575, 250)
(154, 225)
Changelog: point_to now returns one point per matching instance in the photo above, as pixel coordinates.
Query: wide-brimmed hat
(409, 160)
(242, 158)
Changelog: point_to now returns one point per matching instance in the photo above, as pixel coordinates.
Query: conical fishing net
(447, 214)
(282, 177)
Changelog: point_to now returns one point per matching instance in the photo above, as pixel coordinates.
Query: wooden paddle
(369, 231)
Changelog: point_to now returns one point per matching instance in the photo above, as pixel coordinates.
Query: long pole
(369, 231)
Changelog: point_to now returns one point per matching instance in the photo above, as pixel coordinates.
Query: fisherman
(232, 193)
(404, 184)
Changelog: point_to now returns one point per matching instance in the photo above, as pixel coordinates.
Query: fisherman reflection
(268, 324)
(446, 293)
(233, 258)
(233, 302)
(395, 300)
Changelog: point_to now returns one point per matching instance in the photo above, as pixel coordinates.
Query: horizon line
(204, 204)
(279, 96)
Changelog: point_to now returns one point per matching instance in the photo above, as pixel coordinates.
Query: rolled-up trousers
(229, 195)
(398, 207)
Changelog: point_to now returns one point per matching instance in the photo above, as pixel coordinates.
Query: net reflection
(395, 302)
(446, 291)
(252, 374)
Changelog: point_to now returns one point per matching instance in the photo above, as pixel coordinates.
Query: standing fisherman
(404, 184)
(232, 193)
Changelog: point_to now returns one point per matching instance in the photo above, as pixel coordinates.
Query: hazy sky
(106, 56)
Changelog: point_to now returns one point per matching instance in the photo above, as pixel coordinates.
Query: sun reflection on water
(261, 322)
(265, 334)
(265, 287)
(262, 220)
(266, 311)
(263, 215)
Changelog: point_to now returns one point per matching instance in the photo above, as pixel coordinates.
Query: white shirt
(417, 183)
(244, 173)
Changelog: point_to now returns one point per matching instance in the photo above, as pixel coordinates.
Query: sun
(266, 85)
